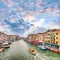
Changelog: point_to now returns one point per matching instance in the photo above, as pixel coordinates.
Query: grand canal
(19, 50)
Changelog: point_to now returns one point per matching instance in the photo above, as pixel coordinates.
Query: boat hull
(1, 49)
(6, 46)
(43, 49)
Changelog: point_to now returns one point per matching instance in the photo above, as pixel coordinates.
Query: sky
(25, 17)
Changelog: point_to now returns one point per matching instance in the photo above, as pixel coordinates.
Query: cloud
(9, 3)
(39, 22)
(38, 6)
(28, 18)
(53, 11)
(21, 26)
(22, 15)
(13, 19)
(5, 28)
(36, 24)
(52, 25)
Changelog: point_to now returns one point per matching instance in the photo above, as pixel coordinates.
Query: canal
(19, 50)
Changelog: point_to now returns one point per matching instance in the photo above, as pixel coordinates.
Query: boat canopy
(1, 42)
(53, 44)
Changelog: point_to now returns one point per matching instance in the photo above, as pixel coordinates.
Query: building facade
(39, 37)
(7, 37)
(32, 37)
(51, 36)
(3, 36)
(56, 33)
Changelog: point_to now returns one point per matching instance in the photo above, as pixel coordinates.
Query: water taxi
(32, 51)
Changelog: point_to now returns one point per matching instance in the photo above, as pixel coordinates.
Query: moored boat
(48, 47)
(59, 52)
(54, 50)
(1, 49)
(51, 49)
(42, 47)
(6, 45)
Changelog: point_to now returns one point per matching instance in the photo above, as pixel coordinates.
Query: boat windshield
(33, 51)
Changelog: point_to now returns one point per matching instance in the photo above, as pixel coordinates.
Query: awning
(54, 44)
(46, 43)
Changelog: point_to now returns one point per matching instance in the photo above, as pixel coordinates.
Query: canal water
(19, 50)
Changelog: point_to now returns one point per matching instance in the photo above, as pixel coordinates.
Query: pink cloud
(9, 3)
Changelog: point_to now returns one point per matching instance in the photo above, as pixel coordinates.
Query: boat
(55, 50)
(32, 51)
(59, 52)
(6, 45)
(48, 47)
(1, 49)
(42, 47)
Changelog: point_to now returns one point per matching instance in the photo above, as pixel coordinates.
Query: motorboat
(42, 47)
(6, 45)
(32, 51)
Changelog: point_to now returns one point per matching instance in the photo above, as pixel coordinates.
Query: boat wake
(39, 56)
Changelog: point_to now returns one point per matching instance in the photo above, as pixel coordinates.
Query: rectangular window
(56, 33)
(56, 42)
(48, 37)
(51, 37)
(48, 41)
(48, 34)
(56, 37)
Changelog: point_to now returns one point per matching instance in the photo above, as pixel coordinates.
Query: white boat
(6, 45)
